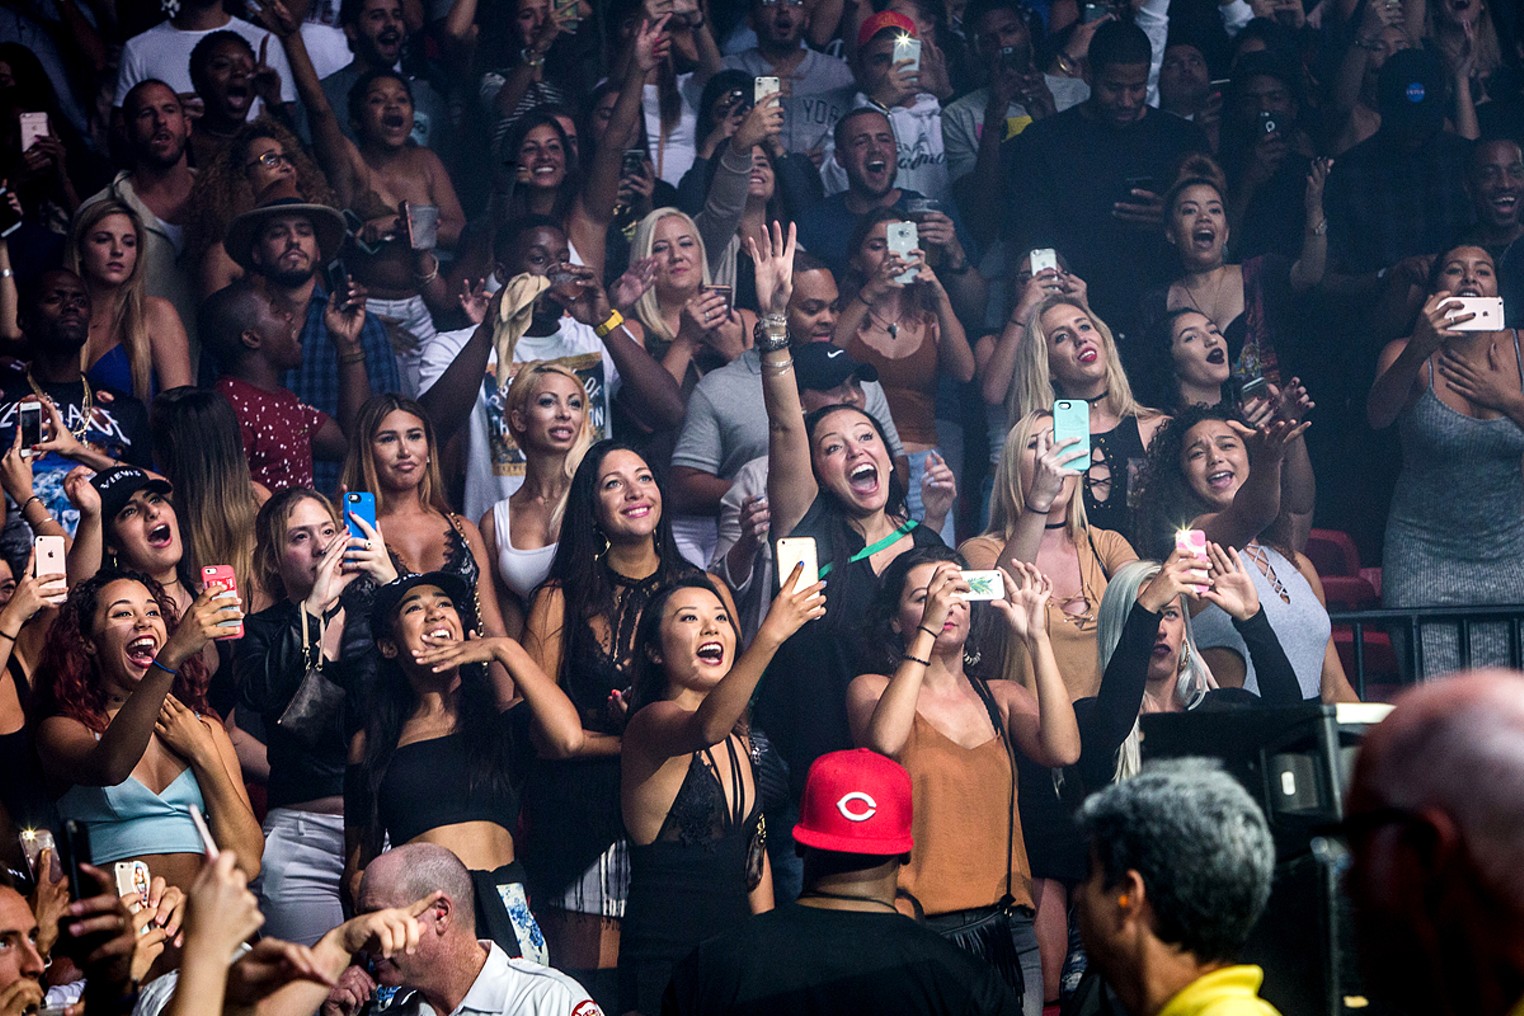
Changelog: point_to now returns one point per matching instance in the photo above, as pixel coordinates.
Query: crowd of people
(555, 483)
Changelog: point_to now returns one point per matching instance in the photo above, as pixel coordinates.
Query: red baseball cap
(856, 802)
(880, 21)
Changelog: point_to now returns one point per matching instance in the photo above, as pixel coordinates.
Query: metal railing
(1412, 621)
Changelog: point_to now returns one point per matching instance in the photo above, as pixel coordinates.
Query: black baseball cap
(1410, 91)
(821, 366)
(389, 596)
(117, 485)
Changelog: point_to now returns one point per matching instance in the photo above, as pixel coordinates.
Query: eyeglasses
(269, 160)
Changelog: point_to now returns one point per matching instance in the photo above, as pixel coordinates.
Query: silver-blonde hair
(647, 309)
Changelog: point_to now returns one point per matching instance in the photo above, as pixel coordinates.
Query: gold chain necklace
(87, 406)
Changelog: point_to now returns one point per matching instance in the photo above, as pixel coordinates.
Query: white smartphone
(1488, 311)
(1042, 259)
(762, 87)
(33, 126)
(902, 238)
(906, 48)
(984, 585)
(29, 418)
(793, 550)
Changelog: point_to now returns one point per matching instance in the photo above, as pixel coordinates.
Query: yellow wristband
(615, 320)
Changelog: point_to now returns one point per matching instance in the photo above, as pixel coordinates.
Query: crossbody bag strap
(307, 646)
(986, 696)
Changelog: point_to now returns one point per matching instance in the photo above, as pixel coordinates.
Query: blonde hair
(1009, 498)
(1032, 386)
(647, 308)
(1489, 52)
(525, 385)
(129, 320)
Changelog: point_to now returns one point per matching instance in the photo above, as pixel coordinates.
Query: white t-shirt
(494, 463)
(164, 51)
(922, 158)
(512, 987)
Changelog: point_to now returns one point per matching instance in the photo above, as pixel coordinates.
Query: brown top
(961, 797)
(1073, 636)
(910, 384)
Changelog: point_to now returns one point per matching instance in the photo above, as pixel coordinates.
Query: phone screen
(906, 48)
(31, 424)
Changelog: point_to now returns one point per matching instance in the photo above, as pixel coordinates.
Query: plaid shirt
(1385, 203)
(316, 381)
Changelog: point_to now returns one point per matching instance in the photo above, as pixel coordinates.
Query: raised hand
(387, 932)
(1232, 588)
(632, 285)
(651, 43)
(344, 317)
(1057, 463)
(792, 609)
(445, 655)
(1181, 575)
(366, 554)
(185, 733)
(765, 120)
(220, 911)
(200, 624)
(1025, 605)
(269, 966)
(945, 588)
(774, 268)
(939, 487)
(474, 300)
(1436, 322)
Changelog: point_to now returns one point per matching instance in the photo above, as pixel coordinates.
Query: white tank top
(521, 570)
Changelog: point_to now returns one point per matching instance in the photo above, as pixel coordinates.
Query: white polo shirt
(511, 987)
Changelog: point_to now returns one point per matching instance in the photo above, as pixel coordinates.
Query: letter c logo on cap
(866, 807)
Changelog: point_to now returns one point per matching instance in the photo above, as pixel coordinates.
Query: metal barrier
(1413, 620)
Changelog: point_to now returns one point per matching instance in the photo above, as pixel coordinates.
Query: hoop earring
(971, 659)
(170, 7)
(598, 554)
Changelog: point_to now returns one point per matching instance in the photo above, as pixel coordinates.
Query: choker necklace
(849, 898)
(1096, 398)
(86, 408)
(1054, 525)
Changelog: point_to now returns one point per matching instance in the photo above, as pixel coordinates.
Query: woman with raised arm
(122, 736)
(306, 560)
(1210, 472)
(697, 860)
(1454, 535)
(924, 709)
(546, 412)
(446, 745)
(829, 478)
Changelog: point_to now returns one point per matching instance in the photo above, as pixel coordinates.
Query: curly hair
(70, 685)
(222, 191)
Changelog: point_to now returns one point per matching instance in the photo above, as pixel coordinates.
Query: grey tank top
(1302, 625)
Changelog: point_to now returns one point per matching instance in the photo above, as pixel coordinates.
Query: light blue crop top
(129, 820)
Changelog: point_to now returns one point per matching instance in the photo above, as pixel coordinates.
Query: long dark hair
(1154, 381)
(882, 646)
(392, 701)
(841, 538)
(571, 185)
(922, 296)
(650, 684)
(587, 584)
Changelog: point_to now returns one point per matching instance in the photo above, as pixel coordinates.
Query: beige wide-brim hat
(281, 198)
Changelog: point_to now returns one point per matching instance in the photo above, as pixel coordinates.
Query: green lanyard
(873, 548)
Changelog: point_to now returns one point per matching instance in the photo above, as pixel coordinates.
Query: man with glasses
(1433, 824)
(816, 88)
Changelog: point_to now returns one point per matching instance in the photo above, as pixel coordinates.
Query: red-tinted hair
(70, 683)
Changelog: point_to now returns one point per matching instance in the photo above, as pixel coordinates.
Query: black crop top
(426, 785)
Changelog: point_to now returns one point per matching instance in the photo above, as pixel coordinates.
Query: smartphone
(48, 556)
(984, 585)
(791, 551)
(764, 86)
(10, 219)
(724, 291)
(906, 48)
(222, 574)
(208, 844)
(363, 504)
(633, 162)
(1133, 183)
(1488, 311)
(132, 880)
(1071, 418)
(30, 414)
(336, 277)
(1042, 259)
(76, 851)
(922, 206)
(903, 238)
(1092, 11)
(1254, 388)
(1015, 58)
(33, 843)
(33, 126)
(569, 14)
(1268, 123)
(1192, 542)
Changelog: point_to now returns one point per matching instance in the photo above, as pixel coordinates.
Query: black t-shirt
(802, 703)
(804, 960)
(118, 428)
(1064, 174)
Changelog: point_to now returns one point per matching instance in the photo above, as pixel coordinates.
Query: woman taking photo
(1069, 353)
(546, 412)
(446, 745)
(394, 455)
(969, 872)
(1454, 528)
(137, 342)
(908, 332)
(616, 552)
(697, 860)
(1252, 304)
(122, 736)
(307, 560)
(1206, 471)
(829, 478)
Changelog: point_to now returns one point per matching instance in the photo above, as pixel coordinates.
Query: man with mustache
(378, 38)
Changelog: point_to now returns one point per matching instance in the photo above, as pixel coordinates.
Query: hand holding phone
(1488, 311)
(794, 550)
(1071, 419)
(363, 504)
(75, 852)
(1194, 543)
(763, 86)
(902, 238)
(987, 584)
(222, 574)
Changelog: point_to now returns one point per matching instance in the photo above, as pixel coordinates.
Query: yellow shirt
(1231, 991)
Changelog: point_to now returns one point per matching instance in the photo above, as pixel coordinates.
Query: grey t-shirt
(726, 424)
(963, 120)
(815, 95)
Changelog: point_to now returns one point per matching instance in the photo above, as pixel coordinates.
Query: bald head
(407, 873)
